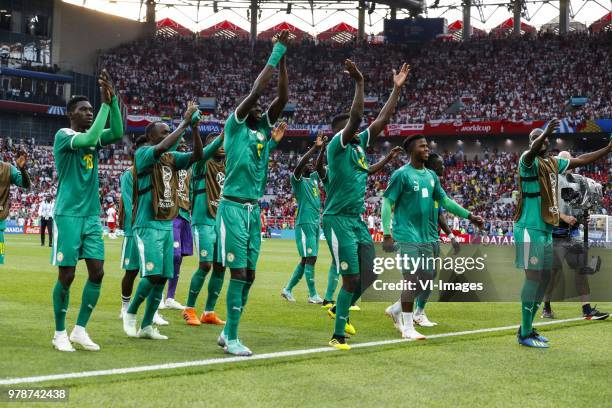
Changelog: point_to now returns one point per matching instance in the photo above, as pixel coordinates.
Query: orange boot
(211, 318)
(189, 314)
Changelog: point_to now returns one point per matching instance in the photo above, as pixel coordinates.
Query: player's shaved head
(339, 122)
(534, 134)
(565, 155)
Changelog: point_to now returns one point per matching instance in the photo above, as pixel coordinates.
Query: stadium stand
(484, 78)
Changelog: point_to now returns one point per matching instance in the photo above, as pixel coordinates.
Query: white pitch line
(265, 356)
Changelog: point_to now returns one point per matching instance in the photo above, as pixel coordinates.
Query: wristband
(451, 236)
(277, 53)
(195, 117)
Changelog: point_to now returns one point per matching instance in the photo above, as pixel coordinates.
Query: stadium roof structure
(168, 27)
(294, 32)
(507, 26)
(603, 24)
(340, 33)
(553, 26)
(455, 29)
(315, 16)
(224, 29)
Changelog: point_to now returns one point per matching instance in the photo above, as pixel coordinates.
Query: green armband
(454, 208)
(277, 53)
(385, 215)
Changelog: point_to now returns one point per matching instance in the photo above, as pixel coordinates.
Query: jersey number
(88, 161)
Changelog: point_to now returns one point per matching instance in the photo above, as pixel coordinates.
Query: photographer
(564, 241)
(537, 212)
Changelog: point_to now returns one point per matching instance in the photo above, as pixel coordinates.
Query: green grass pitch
(479, 369)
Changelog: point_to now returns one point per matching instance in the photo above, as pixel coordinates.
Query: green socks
(61, 298)
(197, 281)
(245, 294)
(332, 282)
(295, 278)
(91, 294)
(235, 295)
(142, 292)
(153, 301)
(528, 306)
(342, 311)
(310, 282)
(215, 284)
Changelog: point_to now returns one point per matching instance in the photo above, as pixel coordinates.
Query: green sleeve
(92, 136)
(145, 157)
(16, 177)
(438, 193)
(385, 215)
(394, 188)
(364, 139)
(211, 149)
(232, 124)
(454, 208)
(563, 164)
(272, 144)
(115, 132)
(182, 160)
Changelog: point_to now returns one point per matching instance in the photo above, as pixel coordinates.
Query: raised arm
(356, 113)
(25, 177)
(198, 150)
(261, 83)
(297, 172)
(376, 167)
(278, 104)
(320, 162)
(538, 142)
(169, 141)
(399, 79)
(589, 158)
(115, 132)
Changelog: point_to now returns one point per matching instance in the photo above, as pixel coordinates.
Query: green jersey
(247, 153)
(16, 178)
(144, 158)
(127, 185)
(347, 171)
(531, 216)
(414, 192)
(200, 212)
(77, 176)
(308, 196)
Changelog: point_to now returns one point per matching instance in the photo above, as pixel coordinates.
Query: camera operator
(537, 212)
(564, 239)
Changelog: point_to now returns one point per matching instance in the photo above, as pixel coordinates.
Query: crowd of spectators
(482, 79)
